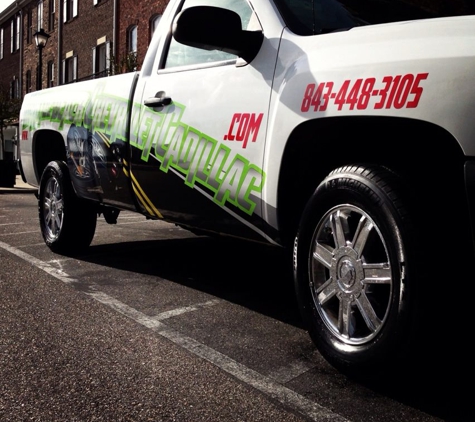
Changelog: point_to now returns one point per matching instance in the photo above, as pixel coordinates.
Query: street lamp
(41, 38)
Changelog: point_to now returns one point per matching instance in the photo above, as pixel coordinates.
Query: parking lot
(156, 323)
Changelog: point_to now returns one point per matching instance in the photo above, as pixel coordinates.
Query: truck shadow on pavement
(255, 276)
(259, 278)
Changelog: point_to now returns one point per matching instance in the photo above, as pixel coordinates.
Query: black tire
(352, 270)
(67, 223)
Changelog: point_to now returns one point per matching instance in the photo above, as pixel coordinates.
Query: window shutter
(75, 68)
(108, 57)
(17, 35)
(94, 52)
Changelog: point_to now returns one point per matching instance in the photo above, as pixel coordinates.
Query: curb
(19, 187)
(17, 190)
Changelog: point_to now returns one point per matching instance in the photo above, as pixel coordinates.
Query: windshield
(309, 17)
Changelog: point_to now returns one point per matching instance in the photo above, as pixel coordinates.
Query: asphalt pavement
(155, 323)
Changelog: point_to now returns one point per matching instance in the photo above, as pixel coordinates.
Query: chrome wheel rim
(53, 208)
(350, 275)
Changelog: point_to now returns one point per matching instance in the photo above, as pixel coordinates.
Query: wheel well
(48, 145)
(418, 151)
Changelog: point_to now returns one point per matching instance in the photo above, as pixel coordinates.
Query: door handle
(160, 100)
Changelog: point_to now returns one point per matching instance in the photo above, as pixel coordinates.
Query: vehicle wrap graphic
(198, 157)
(201, 159)
(243, 126)
(401, 91)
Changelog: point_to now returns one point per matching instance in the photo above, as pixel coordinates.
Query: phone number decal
(401, 91)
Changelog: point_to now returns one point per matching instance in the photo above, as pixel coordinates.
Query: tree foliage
(124, 64)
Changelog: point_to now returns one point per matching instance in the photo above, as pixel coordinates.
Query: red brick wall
(134, 12)
(10, 64)
(80, 35)
(82, 32)
(30, 52)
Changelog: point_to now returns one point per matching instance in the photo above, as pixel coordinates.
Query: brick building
(86, 29)
(87, 39)
(95, 38)
(10, 50)
(37, 15)
(138, 20)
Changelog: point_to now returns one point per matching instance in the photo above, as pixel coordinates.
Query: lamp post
(41, 38)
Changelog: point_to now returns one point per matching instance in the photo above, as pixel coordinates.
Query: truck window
(310, 17)
(182, 55)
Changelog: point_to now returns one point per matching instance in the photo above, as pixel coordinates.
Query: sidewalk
(19, 187)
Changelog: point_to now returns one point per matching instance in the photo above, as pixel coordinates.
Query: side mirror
(214, 28)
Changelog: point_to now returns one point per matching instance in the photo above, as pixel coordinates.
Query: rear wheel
(67, 222)
(353, 274)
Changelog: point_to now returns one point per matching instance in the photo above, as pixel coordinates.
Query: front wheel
(352, 268)
(67, 223)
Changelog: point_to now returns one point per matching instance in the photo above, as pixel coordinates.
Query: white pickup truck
(341, 130)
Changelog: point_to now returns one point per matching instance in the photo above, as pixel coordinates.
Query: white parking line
(185, 309)
(16, 234)
(29, 245)
(38, 263)
(105, 223)
(260, 382)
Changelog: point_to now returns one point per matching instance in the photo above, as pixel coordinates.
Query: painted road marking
(16, 234)
(185, 309)
(249, 376)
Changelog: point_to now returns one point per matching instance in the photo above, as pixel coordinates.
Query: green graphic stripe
(201, 159)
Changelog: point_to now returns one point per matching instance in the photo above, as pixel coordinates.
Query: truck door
(197, 158)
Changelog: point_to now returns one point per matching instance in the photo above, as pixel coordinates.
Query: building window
(51, 12)
(130, 62)
(70, 9)
(40, 15)
(1, 43)
(50, 71)
(28, 81)
(15, 34)
(132, 39)
(101, 60)
(153, 25)
(70, 69)
(15, 88)
(29, 26)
